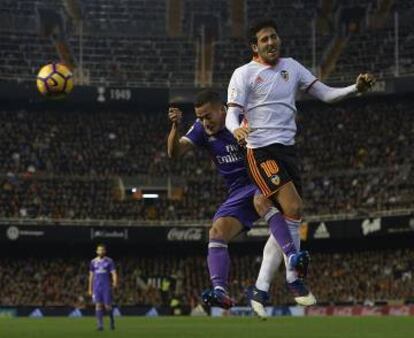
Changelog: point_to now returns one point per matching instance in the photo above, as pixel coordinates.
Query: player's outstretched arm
(176, 146)
(331, 95)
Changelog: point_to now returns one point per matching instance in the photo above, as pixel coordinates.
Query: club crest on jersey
(275, 179)
(285, 75)
(212, 139)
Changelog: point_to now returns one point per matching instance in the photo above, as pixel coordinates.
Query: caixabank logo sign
(109, 234)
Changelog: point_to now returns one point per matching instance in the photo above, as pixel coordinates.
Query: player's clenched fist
(364, 82)
(175, 115)
(240, 135)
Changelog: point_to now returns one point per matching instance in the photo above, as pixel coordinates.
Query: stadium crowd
(358, 277)
(357, 157)
(117, 38)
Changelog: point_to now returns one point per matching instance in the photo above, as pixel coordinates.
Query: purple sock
(111, 316)
(280, 231)
(99, 317)
(218, 261)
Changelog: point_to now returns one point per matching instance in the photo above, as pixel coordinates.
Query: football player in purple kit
(102, 278)
(244, 203)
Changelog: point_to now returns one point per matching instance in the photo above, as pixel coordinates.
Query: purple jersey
(101, 269)
(225, 152)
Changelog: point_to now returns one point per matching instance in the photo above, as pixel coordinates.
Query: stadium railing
(187, 223)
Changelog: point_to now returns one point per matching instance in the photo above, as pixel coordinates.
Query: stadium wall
(67, 311)
(89, 97)
(357, 228)
(333, 236)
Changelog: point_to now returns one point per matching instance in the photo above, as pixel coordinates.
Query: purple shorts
(102, 296)
(239, 204)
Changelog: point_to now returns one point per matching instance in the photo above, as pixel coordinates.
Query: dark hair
(207, 96)
(256, 27)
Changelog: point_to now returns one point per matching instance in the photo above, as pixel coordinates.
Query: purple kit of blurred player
(102, 277)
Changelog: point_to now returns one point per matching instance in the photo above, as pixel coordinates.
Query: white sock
(272, 258)
(291, 275)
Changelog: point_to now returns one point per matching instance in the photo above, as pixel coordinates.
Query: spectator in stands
(360, 277)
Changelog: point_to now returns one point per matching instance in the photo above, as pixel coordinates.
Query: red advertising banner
(359, 310)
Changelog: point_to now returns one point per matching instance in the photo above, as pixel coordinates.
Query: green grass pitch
(237, 327)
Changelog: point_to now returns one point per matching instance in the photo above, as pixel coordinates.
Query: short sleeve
(305, 78)
(195, 134)
(91, 267)
(237, 90)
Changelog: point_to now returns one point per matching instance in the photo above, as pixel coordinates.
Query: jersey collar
(265, 64)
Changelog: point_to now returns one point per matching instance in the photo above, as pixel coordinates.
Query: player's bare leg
(99, 311)
(289, 200)
(224, 229)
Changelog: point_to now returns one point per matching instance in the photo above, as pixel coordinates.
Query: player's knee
(262, 204)
(225, 229)
(217, 233)
(294, 210)
(99, 307)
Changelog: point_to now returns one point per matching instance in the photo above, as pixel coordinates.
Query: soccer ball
(54, 81)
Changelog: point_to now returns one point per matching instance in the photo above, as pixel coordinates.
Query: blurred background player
(102, 278)
(264, 91)
(238, 212)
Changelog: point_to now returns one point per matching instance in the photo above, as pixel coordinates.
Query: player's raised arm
(177, 146)
(332, 95)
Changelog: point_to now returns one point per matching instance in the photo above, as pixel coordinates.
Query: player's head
(101, 250)
(264, 41)
(211, 111)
